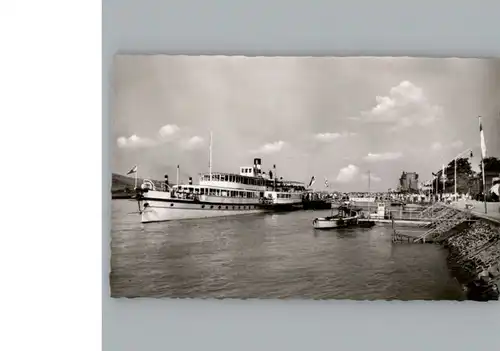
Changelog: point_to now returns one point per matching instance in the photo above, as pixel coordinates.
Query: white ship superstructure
(219, 194)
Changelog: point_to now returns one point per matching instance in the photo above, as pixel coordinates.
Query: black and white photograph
(360, 178)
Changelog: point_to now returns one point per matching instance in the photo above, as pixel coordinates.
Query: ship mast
(210, 158)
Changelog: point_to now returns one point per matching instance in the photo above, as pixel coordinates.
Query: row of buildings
(409, 183)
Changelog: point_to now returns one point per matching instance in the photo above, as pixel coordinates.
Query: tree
(492, 167)
(465, 176)
(492, 164)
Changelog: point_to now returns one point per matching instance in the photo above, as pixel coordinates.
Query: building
(408, 182)
(491, 178)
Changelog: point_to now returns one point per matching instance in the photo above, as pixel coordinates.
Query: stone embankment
(474, 258)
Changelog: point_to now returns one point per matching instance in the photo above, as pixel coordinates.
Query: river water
(270, 256)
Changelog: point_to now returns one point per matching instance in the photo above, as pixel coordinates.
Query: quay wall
(474, 255)
(475, 251)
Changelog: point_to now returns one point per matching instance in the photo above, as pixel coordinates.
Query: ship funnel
(257, 163)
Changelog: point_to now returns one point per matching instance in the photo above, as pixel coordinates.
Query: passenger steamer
(219, 194)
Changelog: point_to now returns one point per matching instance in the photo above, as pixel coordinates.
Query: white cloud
(436, 146)
(270, 148)
(328, 137)
(405, 106)
(347, 174)
(192, 143)
(168, 131)
(373, 177)
(134, 142)
(387, 156)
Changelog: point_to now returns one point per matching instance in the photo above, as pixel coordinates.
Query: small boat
(344, 218)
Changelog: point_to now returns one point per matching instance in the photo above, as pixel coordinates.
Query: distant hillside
(125, 184)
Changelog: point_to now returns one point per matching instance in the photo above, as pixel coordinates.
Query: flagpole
(484, 186)
(444, 181)
(135, 178)
(455, 192)
(483, 154)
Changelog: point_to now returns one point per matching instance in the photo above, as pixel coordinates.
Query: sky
(338, 119)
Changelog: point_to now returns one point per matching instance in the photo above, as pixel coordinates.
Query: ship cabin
(285, 191)
(250, 183)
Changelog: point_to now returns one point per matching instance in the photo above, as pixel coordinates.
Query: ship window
(226, 177)
(227, 207)
(218, 192)
(202, 206)
(212, 206)
(171, 205)
(202, 191)
(234, 207)
(219, 207)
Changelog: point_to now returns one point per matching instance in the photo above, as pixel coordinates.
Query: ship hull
(162, 211)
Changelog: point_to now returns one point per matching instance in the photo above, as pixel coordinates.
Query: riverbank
(474, 259)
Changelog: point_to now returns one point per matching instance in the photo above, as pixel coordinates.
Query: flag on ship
(133, 170)
(483, 142)
(326, 183)
(313, 179)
